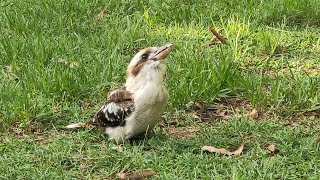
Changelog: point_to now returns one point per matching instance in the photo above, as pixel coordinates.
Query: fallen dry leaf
(74, 64)
(226, 117)
(291, 123)
(63, 61)
(223, 151)
(101, 15)
(272, 148)
(194, 116)
(253, 114)
(212, 41)
(137, 176)
(71, 64)
(223, 113)
(82, 166)
(56, 107)
(9, 72)
(200, 105)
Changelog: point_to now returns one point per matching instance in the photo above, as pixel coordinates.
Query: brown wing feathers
(119, 106)
(119, 95)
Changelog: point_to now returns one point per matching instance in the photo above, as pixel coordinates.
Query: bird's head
(148, 64)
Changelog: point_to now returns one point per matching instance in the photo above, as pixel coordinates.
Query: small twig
(222, 39)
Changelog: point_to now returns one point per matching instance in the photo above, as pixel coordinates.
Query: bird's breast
(151, 94)
(149, 106)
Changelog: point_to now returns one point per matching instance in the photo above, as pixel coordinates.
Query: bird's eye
(144, 56)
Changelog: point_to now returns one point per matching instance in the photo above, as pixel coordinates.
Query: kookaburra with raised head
(138, 106)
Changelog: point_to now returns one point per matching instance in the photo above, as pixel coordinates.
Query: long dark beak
(162, 52)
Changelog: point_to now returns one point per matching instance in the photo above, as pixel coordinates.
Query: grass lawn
(58, 60)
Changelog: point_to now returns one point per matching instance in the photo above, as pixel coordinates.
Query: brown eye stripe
(137, 68)
(141, 63)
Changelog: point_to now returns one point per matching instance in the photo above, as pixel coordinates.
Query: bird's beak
(162, 52)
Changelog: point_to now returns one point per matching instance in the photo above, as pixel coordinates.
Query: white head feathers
(147, 65)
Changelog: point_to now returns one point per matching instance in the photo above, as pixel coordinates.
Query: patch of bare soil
(33, 128)
(226, 108)
(308, 119)
(303, 115)
(181, 132)
(234, 107)
(101, 15)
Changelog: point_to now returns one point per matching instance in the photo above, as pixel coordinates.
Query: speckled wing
(118, 107)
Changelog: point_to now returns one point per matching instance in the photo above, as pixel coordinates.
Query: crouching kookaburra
(138, 106)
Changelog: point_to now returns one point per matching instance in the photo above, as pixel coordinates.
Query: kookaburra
(139, 104)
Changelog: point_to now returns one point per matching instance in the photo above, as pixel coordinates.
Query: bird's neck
(136, 83)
